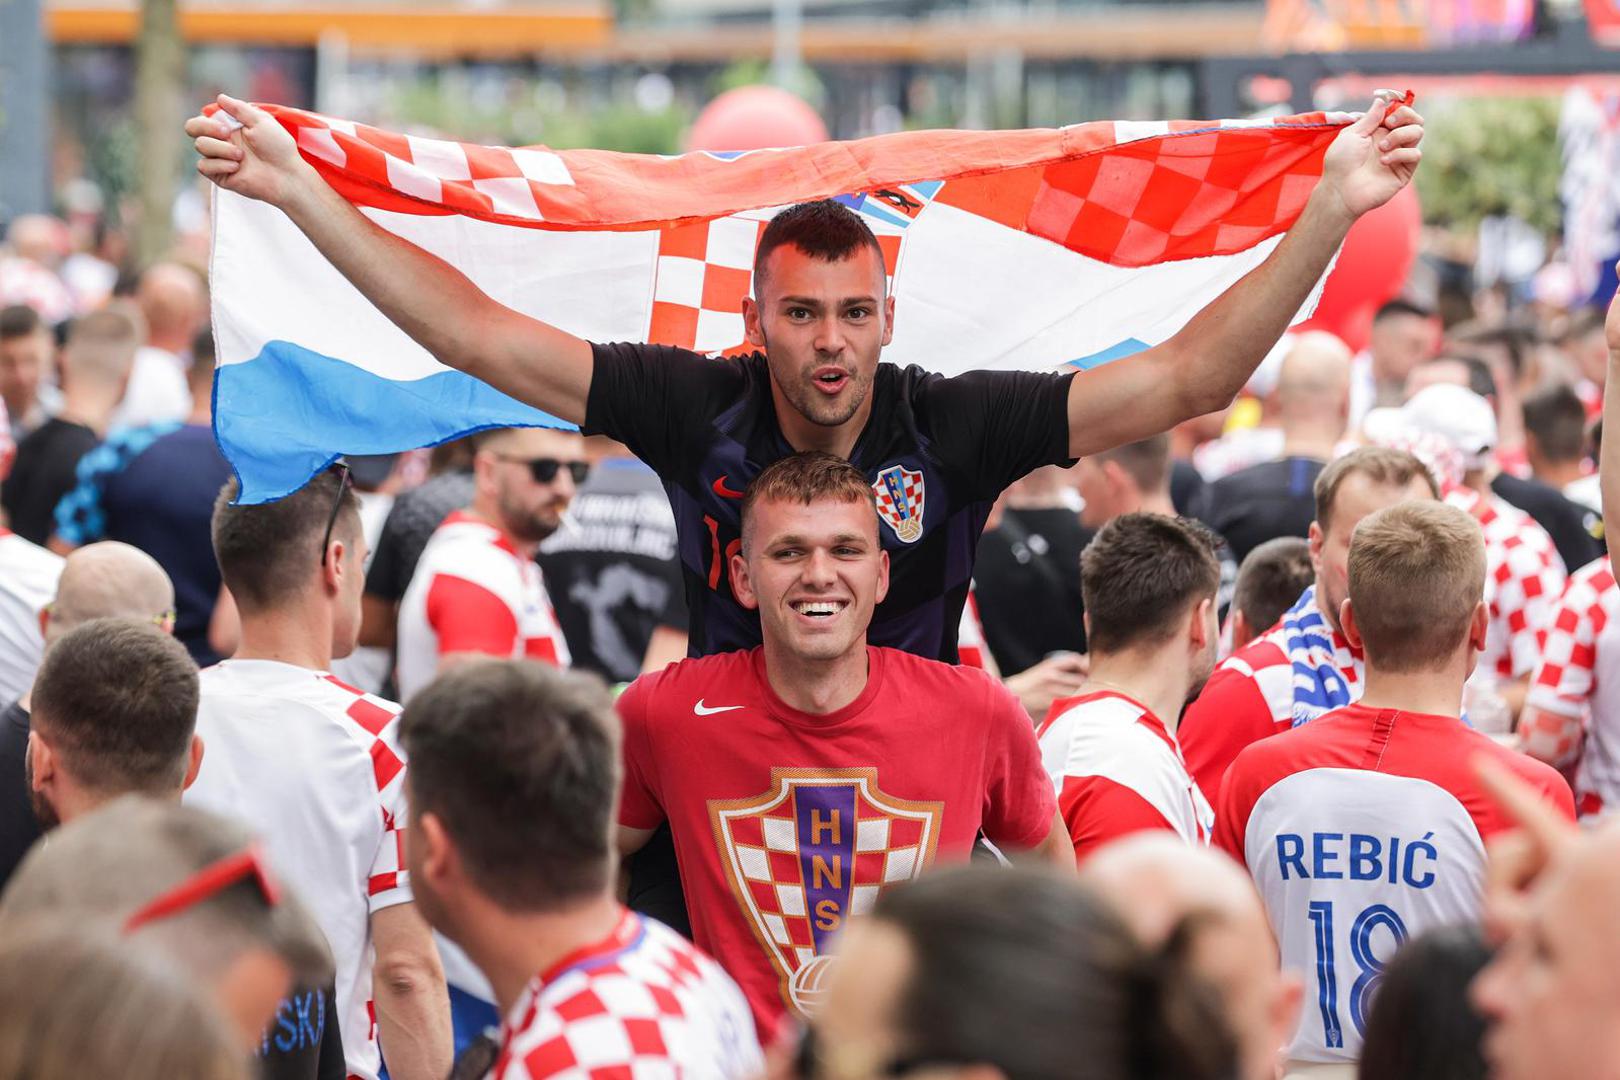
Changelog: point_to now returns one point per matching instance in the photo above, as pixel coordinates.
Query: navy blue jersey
(937, 450)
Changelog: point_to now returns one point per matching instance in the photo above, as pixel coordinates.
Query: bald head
(39, 237)
(109, 580)
(1313, 383)
(172, 298)
(1163, 886)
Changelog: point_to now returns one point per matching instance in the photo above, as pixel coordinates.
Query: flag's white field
(1030, 250)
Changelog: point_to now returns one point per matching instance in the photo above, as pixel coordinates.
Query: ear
(888, 319)
(753, 324)
(883, 574)
(1479, 627)
(1285, 1004)
(1314, 540)
(1347, 623)
(45, 621)
(1241, 633)
(195, 766)
(439, 860)
(42, 761)
(742, 587)
(332, 572)
(1198, 623)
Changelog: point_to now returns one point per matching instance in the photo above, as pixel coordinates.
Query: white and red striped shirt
(28, 577)
(473, 593)
(1361, 829)
(1117, 770)
(315, 767)
(1523, 579)
(1576, 689)
(970, 644)
(642, 1002)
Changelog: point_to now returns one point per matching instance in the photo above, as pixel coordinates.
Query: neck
(1439, 693)
(1155, 678)
(1559, 474)
(801, 434)
(816, 687)
(1158, 502)
(512, 948)
(1332, 617)
(202, 406)
(484, 510)
(300, 636)
(92, 411)
(177, 342)
(1310, 439)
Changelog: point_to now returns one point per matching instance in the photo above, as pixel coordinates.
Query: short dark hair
(520, 761)
(1394, 308)
(117, 699)
(1556, 417)
(807, 477)
(19, 320)
(1140, 574)
(1380, 464)
(1423, 1026)
(1271, 578)
(1146, 460)
(267, 550)
(825, 229)
(1028, 971)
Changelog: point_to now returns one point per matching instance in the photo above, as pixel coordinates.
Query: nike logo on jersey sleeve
(701, 709)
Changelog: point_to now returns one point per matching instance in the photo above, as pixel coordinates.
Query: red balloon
(1372, 269)
(755, 118)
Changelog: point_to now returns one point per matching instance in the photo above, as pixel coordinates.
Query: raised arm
(1201, 368)
(423, 295)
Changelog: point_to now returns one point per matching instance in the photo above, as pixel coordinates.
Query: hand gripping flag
(1012, 249)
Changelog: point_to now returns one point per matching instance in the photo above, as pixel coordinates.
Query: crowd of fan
(226, 851)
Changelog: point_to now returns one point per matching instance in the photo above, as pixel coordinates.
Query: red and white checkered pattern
(1523, 579)
(1265, 662)
(315, 766)
(911, 486)
(1575, 694)
(643, 1004)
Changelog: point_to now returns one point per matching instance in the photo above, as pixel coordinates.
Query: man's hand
(1375, 157)
(1519, 857)
(255, 156)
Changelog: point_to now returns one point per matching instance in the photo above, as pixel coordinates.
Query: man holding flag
(938, 451)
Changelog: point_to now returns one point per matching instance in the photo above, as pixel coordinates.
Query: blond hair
(1417, 574)
(1380, 464)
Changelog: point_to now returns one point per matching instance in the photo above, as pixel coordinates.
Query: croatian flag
(1010, 249)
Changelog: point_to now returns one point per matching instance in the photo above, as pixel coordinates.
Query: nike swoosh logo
(704, 710)
(724, 492)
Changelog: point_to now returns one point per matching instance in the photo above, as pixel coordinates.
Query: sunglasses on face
(545, 469)
(337, 505)
(210, 881)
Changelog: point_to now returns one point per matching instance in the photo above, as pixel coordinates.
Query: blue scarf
(1308, 640)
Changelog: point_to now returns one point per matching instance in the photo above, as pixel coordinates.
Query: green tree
(1484, 156)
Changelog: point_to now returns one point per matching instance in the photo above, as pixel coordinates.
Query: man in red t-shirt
(801, 777)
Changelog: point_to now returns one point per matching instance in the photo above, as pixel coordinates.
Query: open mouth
(819, 609)
(830, 380)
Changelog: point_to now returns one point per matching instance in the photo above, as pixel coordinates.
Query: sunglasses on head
(545, 469)
(337, 505)
(210, 881)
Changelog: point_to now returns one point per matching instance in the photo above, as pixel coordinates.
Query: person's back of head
(1021, 971)
(109, 580)
(271, 554)
(1124, 479)
(142, 859)
(1143, 577)
(100, 351)
(1555, 426)
(1313, 386)
(114, 712)
(77, 1004)
(1422, 1025)
(1416, 587)
(516, 765)
(1272, 577)
(175, 303)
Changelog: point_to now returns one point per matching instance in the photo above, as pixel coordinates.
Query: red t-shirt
(786, 823)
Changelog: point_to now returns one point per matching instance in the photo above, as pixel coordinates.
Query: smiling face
(814, 571)
(822, 325)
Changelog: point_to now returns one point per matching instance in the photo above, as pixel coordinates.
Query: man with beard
(1150, 585)
(477, 589)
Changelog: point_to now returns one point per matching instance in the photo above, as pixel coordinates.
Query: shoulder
(919, 676)
(1545, 779)
(1262, 666)
(629, 357)
(680, 685)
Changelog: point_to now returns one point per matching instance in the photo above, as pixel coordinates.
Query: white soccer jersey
(1577, 688)
(473, 593)
(1116, 770)
(970, 644)
(643, 1003)
(315, 767)
(1361, 829)
(1523, 579)
(28, 575)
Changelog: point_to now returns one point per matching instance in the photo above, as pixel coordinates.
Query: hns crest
(812, 852)
(900, 501)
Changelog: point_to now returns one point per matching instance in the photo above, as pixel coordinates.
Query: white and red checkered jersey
(1116, 770)
(641, 1003)
(473, 593)
(1576, 688)
(1361, 829)
(1523, 579)
(28, 576)
(1250, 696)
(315, 767)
